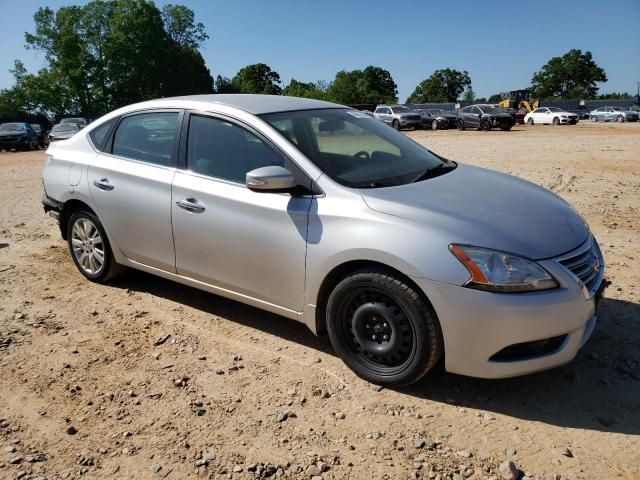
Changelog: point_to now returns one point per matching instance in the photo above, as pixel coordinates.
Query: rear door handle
(190, 204)
(103, 184)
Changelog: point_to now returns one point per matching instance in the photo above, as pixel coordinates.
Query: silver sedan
(324, 215)
(613, 114)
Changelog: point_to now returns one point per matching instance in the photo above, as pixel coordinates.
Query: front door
(131, 186)
(243, 242)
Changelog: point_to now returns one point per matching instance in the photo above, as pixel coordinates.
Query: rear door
(131, 185)
(245, 243)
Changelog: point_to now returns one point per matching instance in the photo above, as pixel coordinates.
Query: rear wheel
(461, 125)
(620, 118)
(396, 124)
(530, 121)
(594, 118)
(556, 121)
(90, 249)
(383, 329)
(505, 128)
(434, 125)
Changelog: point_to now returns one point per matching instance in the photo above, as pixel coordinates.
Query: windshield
(354, 149)
(12, 127)
(492, 110)
(66, 127)
(555, 109)
(401, 110)
(617, 109)
(73, 120)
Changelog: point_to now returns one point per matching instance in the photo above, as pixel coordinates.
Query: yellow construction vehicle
(519, 100)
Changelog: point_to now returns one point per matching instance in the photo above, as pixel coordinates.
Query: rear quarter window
(149, 137)
(99, 134)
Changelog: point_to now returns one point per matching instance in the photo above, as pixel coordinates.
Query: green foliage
(497, 97)
(305, 90)
(441, 87)
(225, 85)
(110, 53)
(257, 78)
(372, 85)
(469, 95)
(614, 96)
(574, 75)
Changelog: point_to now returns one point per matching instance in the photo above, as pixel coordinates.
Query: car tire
(461, 126)
(530, 121)
(485, 125)
(383, 328)
(594, 118)
(505, 128)
(396, 124)
(434, 125)
(620, 118)
(556, 121)
(85, 235)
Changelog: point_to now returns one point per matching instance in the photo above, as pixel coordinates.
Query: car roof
(257, 104)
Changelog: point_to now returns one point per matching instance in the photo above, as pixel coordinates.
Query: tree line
(110, 53)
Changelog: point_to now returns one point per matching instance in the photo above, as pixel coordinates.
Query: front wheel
(505, 128)
(620, 118)
(486, 125)
(90, 249)
(396, 124)
(383, 329)
(594, 118)
(556, 121)
(434, 125)
(530, 121)
(461, 125)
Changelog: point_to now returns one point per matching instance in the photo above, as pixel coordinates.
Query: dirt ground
(148, 379)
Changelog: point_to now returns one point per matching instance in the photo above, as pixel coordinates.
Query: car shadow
(598, 391)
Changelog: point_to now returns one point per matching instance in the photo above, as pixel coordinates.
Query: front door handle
(103, 184)
(190, 204)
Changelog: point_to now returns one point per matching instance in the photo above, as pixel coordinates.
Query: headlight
(501, 272)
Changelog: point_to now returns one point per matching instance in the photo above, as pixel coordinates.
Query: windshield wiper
(434, 172)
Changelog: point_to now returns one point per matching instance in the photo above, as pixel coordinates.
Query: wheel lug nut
(373, 337)
(385, 324)
(385, 337)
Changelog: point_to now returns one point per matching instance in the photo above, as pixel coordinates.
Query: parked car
(436, 118)
(614, 114)
(81, 122)
(18, 136)
(485, 117)
(582, 113)
(62, 131)
(40, 135)
(550, 115)
(398, 116)
(320, 213)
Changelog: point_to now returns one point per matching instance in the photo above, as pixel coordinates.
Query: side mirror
(273, 179)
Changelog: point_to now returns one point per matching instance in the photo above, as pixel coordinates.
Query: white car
(548, 115)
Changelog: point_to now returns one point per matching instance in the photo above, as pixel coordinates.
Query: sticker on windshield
(357, 114)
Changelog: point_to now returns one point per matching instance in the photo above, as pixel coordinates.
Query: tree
(615, 96)
(257, 78)
(304, 90)
(497, 97)
(574, 75)
(109, 53)
(373, 85)
(469, 95)
(225, 85)
(441, 87)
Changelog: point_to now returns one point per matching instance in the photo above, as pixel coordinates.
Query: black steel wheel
(383, 329)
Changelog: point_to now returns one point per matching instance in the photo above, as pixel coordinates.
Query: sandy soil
(234, 392)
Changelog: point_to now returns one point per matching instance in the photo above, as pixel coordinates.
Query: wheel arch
(68, 208)
(341, 271)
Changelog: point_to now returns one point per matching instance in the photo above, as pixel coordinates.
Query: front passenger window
(147, 136)
(224, 150)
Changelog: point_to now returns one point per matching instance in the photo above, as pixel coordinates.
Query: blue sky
(500, 43)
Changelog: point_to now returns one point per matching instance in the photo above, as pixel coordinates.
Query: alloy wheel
(88, 246)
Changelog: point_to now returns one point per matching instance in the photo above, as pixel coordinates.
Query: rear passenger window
(147, 136)
(99, 135)
(224, 150)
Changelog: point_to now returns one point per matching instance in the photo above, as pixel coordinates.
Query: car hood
(480, 207)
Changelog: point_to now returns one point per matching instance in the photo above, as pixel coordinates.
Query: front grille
(413, 117)
(586, 264)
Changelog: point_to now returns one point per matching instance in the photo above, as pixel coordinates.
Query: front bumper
(410, 123)
(479, 326)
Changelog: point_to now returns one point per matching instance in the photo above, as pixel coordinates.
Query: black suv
(485, 117)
